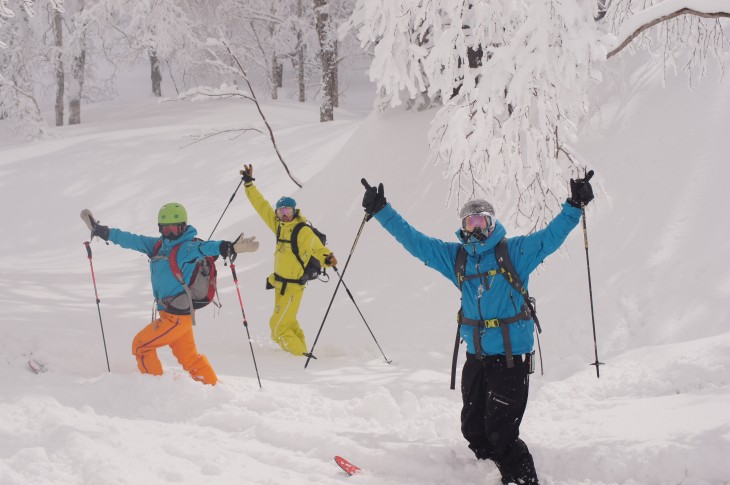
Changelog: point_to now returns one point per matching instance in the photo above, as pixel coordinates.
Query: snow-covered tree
(20, 49)
(512, 78)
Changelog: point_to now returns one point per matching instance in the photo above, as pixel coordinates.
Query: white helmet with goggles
(477, 215)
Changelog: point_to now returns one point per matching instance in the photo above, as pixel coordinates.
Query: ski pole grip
(88, 249)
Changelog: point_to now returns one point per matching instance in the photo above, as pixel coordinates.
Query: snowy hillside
(658, 237)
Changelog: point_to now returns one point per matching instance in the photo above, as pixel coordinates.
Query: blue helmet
(286, 202)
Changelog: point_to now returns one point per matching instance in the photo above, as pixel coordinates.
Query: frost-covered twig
(214, 133)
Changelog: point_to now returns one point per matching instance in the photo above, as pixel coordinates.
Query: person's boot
(518, 466)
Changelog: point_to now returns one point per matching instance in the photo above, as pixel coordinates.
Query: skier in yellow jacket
(288, 271)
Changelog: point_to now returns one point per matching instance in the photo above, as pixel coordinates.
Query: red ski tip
(349, 468)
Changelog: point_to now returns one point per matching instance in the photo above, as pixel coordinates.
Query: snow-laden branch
(5, 10)
(664, 11)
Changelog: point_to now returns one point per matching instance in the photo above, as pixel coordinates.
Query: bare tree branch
(239, 131)
(261, 113)
(683, 11)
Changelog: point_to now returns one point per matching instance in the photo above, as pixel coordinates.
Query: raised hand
(247, 173)
(374, 199)
(581, 192)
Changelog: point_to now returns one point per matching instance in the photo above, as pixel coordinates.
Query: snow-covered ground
(658, 235)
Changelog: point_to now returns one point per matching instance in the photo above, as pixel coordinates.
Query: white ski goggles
(285, 212)
(483, 221)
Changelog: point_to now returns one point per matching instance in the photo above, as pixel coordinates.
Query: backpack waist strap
(502, 323)
(285, 281)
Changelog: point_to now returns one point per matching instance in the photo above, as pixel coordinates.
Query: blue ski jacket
(499, 300)
(164, 283)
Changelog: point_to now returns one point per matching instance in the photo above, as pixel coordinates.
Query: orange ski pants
(177, 332)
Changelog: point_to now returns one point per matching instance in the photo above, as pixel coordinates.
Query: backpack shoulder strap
(174, 266)
(509, 273)
(294, 243)
(156, 248)
(503, 260)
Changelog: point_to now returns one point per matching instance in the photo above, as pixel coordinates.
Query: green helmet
(172, 213)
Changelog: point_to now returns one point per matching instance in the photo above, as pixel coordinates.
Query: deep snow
(658, 237)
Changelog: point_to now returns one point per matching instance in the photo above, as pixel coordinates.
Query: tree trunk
(60, 88)
(300, 70)
(335, 77)
(280, 75)
(78, 70)
(155, 72)
(274, 76)
(326, 107)
(300, 57)
(74, 102)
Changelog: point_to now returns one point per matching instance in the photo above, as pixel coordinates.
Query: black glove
(247, 174)
(226, 249)
(581, 191)
(102, 232)
(374, 199)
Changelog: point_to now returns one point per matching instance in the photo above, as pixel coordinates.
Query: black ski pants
(494, 400)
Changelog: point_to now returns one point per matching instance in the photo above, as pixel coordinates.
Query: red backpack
(203, 284)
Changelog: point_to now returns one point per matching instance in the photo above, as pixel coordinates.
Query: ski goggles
(172, 230)
(482, 221)
(285, 212)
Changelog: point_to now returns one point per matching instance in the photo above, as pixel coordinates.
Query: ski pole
(361, 315)
(224, 210)
(359, 231)
(245, 322)
(98, 308)
(590, 292)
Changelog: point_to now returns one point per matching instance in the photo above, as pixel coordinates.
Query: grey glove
(94, 226)
(230, 249)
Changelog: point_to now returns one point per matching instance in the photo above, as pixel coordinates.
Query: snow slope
(658, 238)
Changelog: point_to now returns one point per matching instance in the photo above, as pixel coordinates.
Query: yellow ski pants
(285, 329)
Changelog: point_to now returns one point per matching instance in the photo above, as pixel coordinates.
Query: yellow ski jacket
(285, 263)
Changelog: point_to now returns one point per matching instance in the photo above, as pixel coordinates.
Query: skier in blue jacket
(496, 322)
(174, 327)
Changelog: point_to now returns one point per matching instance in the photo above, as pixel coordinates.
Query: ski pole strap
(455, 358)
(233, 272)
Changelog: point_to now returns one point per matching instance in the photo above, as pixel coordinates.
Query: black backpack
(313, 268)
